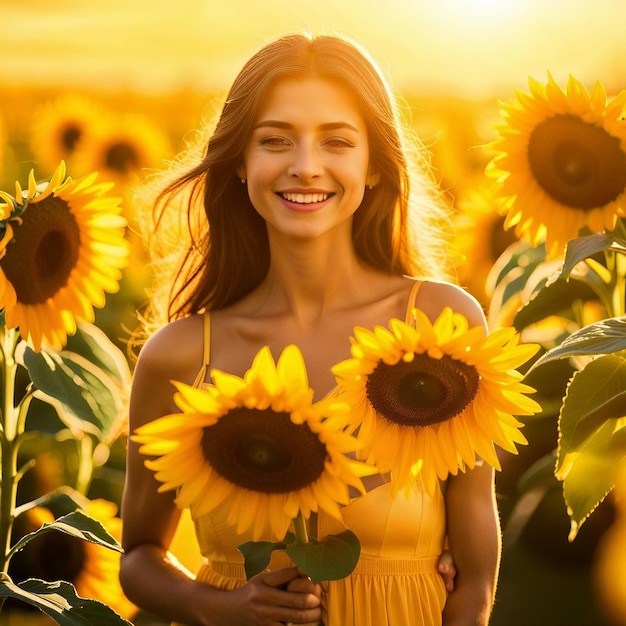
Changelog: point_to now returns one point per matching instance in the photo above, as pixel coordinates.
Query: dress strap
(408, 318)
(206, 350)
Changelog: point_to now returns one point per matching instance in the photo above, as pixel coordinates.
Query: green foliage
(592, 435)
(257, 554)
(59, 601)
(592, 412)
(587, 247)
(604, 337)
(84, 382)
(332, 558)
(77, 524)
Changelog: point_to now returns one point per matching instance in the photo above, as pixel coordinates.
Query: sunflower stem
(85, 463)
(620, 285)
(616, 264)
(9, 443)
(299, 529)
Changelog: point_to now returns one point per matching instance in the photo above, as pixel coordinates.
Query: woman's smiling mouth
(305, 198)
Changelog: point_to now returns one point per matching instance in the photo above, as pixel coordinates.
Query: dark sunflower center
(499, 239)
(51, 556)
(264, 451)
(43, 252)
(424, 392)
(121, 157)
(70, 136)
(578, 164)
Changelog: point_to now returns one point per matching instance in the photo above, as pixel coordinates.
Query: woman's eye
(274, 141)
(338, 142)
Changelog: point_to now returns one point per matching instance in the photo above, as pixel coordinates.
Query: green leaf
(614, 408)
(257, 555)
(60, 501)
(584, 247)
(512, 271)
(553, 299)
(604, 337)
(592, 436)
(86, 398)
(597, 458)
(332, 558)
(589, 389)
(93, 344)
(60, 601)
(77, 524)
(520, 259)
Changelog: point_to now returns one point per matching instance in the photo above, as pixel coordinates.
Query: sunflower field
(537, 186)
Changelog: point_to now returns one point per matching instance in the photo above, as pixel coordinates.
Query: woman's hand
(303, 584)
(446, 568)
(284, 596)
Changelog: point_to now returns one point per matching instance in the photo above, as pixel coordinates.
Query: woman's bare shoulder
(174, 348)
(434, 296)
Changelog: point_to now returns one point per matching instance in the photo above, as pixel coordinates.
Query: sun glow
(484, 15)
(454, 46)
(484, 9)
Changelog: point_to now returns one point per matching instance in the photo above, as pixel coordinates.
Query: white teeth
(305, 198)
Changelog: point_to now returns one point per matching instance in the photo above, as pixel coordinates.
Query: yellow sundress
(395, 583)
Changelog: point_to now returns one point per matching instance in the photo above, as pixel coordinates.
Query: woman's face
(307, 160)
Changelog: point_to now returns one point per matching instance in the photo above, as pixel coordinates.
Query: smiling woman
(311, 212)
(309, 129)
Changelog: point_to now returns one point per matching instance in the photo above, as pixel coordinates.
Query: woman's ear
(372, 179)
(241, 172)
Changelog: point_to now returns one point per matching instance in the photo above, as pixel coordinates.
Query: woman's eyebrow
(287, 125)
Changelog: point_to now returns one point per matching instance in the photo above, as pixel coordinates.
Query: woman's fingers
(447, 569)
(289, 596)
(303, 584)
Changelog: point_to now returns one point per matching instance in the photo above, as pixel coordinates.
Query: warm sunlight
(484, 9)
(131, 193)
(459, 46)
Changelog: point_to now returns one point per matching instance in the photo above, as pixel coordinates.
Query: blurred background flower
(122, 147)
(59, 124)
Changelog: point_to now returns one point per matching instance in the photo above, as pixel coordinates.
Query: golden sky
(469, 48)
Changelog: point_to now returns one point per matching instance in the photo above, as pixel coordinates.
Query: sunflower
(123, 147)
(91, 568)
(59, 125)
(480, 237)
(429, 397)
(258, 442)
(561, 158)
(61, 248)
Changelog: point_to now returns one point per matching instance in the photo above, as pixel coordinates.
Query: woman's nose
(307, 163)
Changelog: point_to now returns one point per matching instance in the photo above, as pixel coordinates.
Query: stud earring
(370, 187)
(243, 181)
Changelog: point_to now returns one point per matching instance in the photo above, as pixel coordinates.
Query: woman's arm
(475, 543)
(473, 525)
(150, 576)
